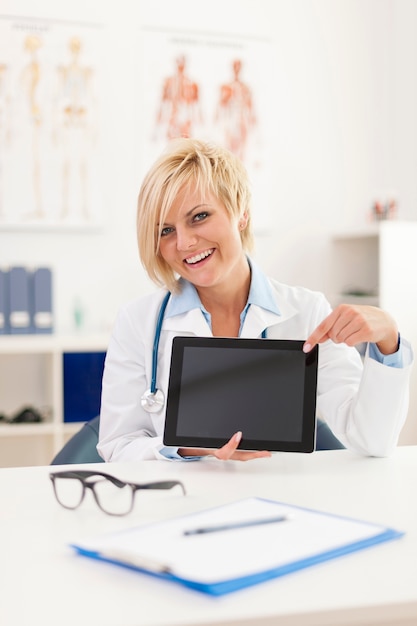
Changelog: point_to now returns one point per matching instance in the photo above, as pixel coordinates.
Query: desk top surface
(43, 582)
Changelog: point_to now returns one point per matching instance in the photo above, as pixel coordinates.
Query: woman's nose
(185, 238)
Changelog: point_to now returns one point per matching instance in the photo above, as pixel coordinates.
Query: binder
(19, 301)
(4, 297)
(41, 299)
(187, 551)
(82, 376)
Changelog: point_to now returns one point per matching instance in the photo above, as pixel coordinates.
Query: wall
(343, 89)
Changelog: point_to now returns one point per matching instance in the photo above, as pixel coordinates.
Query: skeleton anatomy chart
(212, 87)
(49, 125)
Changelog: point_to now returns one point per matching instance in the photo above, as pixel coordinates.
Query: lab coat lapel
(259, 319)
(190, 323)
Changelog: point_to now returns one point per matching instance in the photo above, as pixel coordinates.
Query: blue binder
(4, 297)
(41, 300)
(19, 301)
(82, 373)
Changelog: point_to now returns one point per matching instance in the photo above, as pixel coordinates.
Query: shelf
(345, 298)
(374, 229)
(368, 232)
(27, 430)
(380, 258)
(35, 344)
(32, 374)
(70, 428)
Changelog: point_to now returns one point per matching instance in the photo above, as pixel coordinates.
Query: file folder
(19, 301)
(42, 315)
(253, 552)
(4, 297)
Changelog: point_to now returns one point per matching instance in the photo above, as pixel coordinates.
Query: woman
(194, 236)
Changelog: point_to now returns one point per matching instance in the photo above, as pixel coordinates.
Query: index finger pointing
(318, 335)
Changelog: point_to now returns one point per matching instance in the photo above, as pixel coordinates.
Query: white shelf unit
(380, 263)
(31, 374)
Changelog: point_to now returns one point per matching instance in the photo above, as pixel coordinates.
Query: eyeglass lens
(69, 492)
(110, 498)
(113, 499)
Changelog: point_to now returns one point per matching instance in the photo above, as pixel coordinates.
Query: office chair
(81, 448)
(325, 439)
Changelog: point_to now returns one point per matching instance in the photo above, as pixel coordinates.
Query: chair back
(81, 448)
(325, 439)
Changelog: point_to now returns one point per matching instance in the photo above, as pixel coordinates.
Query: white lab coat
(365, 404)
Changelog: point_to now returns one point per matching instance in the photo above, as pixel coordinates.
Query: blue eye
(200, 216)
(166, 231)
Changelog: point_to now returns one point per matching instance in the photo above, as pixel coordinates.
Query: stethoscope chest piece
(152, 402)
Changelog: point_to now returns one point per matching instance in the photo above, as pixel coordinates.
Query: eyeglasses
(112, 495)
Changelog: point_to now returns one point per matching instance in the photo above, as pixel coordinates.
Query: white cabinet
(31, 374)
(378, 265)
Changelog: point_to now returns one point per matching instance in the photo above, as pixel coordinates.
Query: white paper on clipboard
(254, 553)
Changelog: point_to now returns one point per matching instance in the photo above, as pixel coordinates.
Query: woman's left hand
(354, 324)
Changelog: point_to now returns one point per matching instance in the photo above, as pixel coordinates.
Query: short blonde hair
(185, 163)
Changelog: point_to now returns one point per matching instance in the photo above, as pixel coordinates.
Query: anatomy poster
(49, 123)
(212, 87)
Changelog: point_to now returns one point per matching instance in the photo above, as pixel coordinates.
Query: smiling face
(201, 242)
(193, 177)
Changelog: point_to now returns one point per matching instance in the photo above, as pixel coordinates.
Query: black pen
(234, 525)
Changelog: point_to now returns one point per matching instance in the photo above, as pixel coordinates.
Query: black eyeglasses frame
(83, 475)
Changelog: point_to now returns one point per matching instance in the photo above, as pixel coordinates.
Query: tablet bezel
(308, 431)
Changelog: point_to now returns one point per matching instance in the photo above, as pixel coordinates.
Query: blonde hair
(188, 163)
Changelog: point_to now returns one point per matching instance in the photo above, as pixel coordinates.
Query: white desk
(43, 583)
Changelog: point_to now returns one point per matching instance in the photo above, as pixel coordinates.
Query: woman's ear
(243, 221)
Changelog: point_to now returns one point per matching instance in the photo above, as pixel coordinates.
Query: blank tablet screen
(264, 387)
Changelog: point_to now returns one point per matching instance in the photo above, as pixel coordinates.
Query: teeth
(198, 257)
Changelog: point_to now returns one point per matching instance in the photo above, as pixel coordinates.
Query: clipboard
(257, 549)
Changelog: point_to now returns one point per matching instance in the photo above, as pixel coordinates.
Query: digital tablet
(266, 388)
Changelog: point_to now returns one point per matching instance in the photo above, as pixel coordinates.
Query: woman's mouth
(192, 260)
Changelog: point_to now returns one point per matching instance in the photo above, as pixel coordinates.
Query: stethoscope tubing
(158, 329)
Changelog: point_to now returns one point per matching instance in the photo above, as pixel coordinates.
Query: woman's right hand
(227, 452)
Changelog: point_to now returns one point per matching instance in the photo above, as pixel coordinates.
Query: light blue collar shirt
(260, 293)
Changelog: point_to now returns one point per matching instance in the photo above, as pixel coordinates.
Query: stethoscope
(153, 399)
